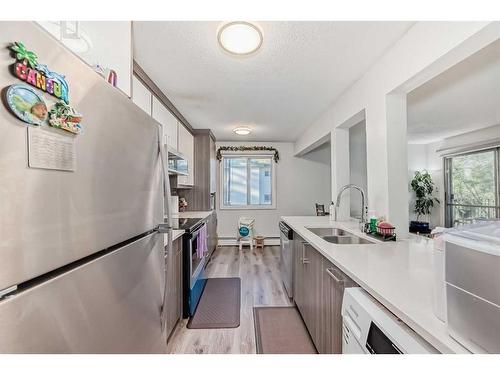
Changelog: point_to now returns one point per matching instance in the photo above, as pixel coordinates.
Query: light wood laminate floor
(260, 285)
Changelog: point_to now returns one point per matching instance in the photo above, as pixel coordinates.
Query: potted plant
(423, 187)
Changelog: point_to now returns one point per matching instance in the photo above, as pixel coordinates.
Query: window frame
(448, 204)
(246, 155)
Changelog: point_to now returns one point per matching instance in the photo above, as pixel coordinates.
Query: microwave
(177, 163)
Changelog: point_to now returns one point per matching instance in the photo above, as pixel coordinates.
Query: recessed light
(242, 130)
(240, 38)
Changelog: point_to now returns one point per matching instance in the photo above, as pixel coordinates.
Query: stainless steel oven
(193, 272)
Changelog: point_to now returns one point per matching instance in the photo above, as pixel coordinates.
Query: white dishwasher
(369, 328)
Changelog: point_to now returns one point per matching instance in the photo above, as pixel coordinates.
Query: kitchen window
(472, 189)
(248, 182)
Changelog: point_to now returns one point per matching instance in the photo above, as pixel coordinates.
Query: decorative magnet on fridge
(38, 75)
(64, 117)
(106, 73)
(26, 104)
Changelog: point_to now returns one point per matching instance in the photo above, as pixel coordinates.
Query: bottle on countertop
(373, 221)
(332, 211)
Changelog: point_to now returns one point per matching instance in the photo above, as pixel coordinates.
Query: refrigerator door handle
(165, 228)
(162, 228)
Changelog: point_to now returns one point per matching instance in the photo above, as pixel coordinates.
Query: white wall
(301, 182)
(357, 164)
(481, 138)
(109, 42)
(426, 50)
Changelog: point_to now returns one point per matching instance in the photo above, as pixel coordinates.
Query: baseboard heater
(232, 241)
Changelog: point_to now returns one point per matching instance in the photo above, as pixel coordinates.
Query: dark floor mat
(219, 305)
(280, 330)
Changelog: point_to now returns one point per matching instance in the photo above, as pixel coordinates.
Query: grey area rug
(280, 330)
(219, 305)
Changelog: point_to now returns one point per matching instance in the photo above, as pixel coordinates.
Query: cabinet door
(314, 293)
(334, 283)
(299, 277)
(173, 132)
(186, 147)
(168, 121)
(212, 232)
(213, 167)
(141, 96)
(174, 292)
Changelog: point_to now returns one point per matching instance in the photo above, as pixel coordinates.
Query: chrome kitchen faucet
(363, 224)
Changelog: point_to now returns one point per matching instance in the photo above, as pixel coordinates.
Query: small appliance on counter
(182, 205)
(472, 279)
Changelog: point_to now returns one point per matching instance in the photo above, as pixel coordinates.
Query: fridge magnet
(28, 69)
(26, 104)
(106, 73)
(64, 117)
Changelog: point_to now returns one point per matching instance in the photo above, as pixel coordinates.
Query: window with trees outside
(472, 187)
(248, 182)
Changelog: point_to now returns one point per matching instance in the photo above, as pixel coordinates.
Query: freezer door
(109, 305)
(49, 218)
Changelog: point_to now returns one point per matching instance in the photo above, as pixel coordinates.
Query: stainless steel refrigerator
(82, 266)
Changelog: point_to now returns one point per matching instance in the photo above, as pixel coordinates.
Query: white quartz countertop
(398, 274)
(193, 214)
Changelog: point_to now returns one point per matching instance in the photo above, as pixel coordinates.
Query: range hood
(177, 163)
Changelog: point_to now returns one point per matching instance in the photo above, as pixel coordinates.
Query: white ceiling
(300, 70)
(464, 98)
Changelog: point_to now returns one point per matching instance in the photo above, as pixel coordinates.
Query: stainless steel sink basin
(328, 232)
(339, 236)
(347, 240)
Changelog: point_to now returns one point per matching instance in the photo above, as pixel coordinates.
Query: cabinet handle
(334, 277)
(304, 259)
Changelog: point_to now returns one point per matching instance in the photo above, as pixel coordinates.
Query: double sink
(339, 236)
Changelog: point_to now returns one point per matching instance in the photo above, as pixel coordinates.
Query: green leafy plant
(276, 155)
(22, 54)
(423, 186)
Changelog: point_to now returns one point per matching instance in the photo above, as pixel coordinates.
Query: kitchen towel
(201, 242)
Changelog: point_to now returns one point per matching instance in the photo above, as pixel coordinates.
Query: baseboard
(226, 241)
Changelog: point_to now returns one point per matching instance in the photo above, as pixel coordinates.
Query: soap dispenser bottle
(332, 211)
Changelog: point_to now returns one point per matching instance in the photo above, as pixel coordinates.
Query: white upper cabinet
(169, 122)
(141, 96)
(186, 147)
(107, 44)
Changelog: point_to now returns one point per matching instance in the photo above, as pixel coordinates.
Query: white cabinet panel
(186, 147)
(104, 43)
(141, 96)
(169, 122)
(173, 132)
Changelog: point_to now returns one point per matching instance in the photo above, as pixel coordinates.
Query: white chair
(245, 232)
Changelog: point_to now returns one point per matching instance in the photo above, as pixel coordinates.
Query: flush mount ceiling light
(242, 130)
(240, 38)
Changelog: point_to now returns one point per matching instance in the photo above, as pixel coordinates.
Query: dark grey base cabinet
(212, 239)
(174, 286)
(334, 282)
(318, 293)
